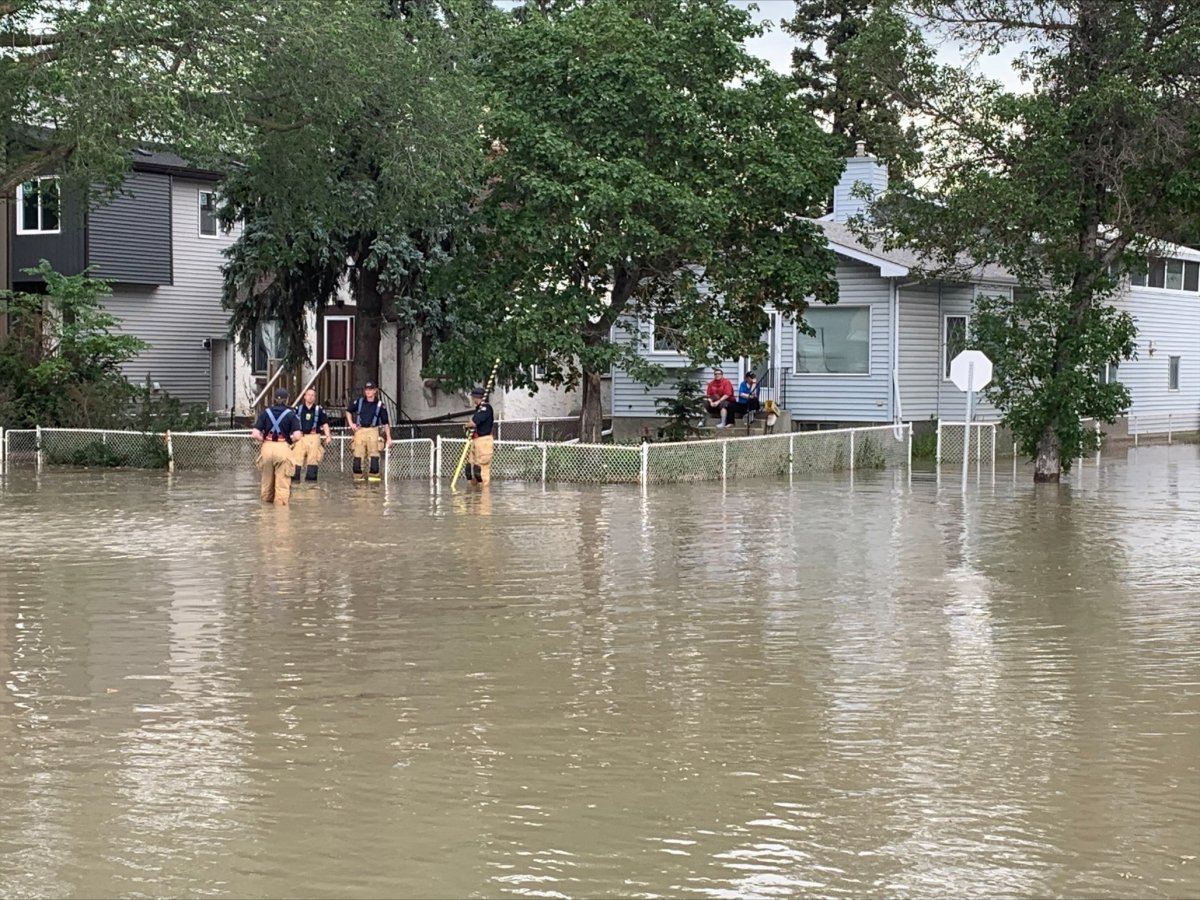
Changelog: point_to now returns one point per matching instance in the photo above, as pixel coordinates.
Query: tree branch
(25, 39)
(34, 165)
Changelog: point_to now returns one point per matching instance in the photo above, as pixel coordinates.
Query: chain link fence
(985, 443)
(767, 456)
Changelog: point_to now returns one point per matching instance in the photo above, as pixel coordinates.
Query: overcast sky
(776, 46)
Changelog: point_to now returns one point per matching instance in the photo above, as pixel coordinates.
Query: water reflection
(761, 690)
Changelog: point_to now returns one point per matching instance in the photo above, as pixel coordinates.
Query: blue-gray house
(882, 354)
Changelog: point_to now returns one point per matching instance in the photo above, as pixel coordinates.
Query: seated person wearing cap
(747, 398)
(718, 398)
(365, 417)
(483, 445)
(276, 429)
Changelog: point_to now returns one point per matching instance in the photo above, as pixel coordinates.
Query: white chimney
(860, 168)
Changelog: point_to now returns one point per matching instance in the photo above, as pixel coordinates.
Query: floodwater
(837, 688)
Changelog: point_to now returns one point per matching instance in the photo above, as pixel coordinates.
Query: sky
(776, 46)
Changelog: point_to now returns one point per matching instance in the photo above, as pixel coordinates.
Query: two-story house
(159, 245)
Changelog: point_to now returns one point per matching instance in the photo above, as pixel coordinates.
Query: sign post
(970, 371)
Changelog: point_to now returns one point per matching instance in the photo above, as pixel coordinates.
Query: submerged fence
(767, 456)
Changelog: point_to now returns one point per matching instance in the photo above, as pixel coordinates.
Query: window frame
(945, 347)
(20, 206)
(653, 349)
(797, 333)
(1174, 373)
(1111, 373)
(200, 214)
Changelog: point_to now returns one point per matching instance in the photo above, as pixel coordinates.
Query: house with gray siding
(159, 245)
(882, 353)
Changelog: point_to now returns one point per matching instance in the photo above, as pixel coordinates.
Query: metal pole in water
(970, 415)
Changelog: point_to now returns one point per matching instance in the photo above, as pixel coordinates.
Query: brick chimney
(863, 168)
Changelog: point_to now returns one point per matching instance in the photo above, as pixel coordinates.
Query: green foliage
(60, 365)
(924, 445)
(1022, 337)
(364, 157)
(634, 147)
(108, 75)
(683, 410)
(1064, 185)
(845, 63)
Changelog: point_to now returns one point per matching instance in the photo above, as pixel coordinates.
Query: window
(1172, 373)
(840, 343)
(260, 352)
(208, 214)
(667, 338)
(1168, 275)
(1108, 375)
(954, 341)
(38, 206)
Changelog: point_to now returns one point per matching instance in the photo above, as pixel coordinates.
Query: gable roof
(895, 263)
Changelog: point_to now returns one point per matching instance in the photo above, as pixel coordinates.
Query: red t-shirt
(720, 387)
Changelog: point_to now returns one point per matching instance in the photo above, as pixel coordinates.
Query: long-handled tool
(462, 459)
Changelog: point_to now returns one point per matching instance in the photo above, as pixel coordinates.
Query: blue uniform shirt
(312, 418)
(484, 418)
(368, 414)
(285, 416)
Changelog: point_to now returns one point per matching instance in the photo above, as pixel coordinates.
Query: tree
(642, 166)
(367, 150)
(845, 63)
(60, 364)
(1066, 185)
(82, 82)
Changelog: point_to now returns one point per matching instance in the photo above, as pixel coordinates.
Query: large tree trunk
(1048, 465)
(367, 326)
(591, 418)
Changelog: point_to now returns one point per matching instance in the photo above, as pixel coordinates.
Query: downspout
(897, 405)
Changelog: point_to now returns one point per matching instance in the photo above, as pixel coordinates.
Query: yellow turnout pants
(309, 451)
(275, 465)
(365, 446)
(480, 457)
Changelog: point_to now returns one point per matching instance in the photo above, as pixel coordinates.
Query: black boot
(374, 476)
(296, 473)
(357, 466)
(478, 473)
(310, 473)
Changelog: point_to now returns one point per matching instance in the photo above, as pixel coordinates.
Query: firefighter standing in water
(483, 445)
(366, 416)
(276, 430)
(315, 436)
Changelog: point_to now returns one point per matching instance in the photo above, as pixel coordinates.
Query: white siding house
(882, 353)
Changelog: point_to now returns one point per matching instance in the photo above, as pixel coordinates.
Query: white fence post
(910, 437)
(437, 457)
(1135, 431)
(645, 476)
(852, 451)
(536, 437)
(791, 454)
(433, 452)
(724, 459)
(3, 450)
(543, 456)
(387, 456)
(39, 448)
(1169, 428)
(937, 456)
(170, 453)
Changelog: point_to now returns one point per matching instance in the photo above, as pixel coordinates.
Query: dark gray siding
(176, 319)
(129, 238)
(63, 250)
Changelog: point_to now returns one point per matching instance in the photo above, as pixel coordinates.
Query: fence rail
(766, 456)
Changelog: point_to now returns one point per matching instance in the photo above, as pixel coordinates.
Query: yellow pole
(462, 459)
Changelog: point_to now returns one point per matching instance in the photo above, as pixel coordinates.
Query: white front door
(220, 375)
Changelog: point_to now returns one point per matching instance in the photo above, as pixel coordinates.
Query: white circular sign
(971, 370)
